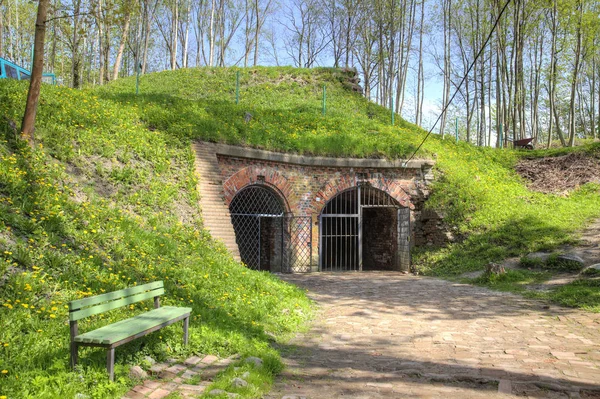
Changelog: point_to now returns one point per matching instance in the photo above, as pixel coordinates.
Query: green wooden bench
(124, 331)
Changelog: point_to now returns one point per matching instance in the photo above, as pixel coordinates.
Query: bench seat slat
(126, 328)
(94, 300)
(105, 307)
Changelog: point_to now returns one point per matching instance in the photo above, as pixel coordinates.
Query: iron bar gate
(267, 238)
(341, 224)
(298, 252)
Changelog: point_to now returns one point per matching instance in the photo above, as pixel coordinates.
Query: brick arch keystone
(249, 176)
(340, 183)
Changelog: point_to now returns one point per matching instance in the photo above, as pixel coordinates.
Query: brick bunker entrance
(290, 213)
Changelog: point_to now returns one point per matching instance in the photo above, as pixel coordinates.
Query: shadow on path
(389, 335)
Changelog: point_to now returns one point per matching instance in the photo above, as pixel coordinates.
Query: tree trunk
(211, 35)
(174, 37)
(257, 33)
(222, 33)
(75, 50)
(552, 76)
(1, 36)
(33, 96)
(248, 44)
(52, 48)
(121, 46)
(593, 99)
(447, 38)
(499, 106)
(420, 77)
(578, 35)
(187, 36)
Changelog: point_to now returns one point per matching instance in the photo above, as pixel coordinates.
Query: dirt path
(387, 335)
(589, 248)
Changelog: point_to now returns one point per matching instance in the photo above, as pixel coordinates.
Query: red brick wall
(306, 189)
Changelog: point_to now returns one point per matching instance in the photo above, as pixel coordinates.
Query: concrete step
(225, 232)
(216, 216)
(221, 231)
(222, 234)
(215, 203)
(213, 221)
(215, 213)
(217, 219)
(219, 211)
(211, 190)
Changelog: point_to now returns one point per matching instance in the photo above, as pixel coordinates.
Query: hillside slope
(108, 199)
(477, 189)
(103, 203)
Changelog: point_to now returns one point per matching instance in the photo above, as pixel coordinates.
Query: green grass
(583, 294)
(109, 200)
(101, 204)
(476, 189)
(511, 281)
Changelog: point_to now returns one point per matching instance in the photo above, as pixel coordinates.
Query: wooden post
(324, 105)
(156, 302)
(110, 363)
(186, 325)
(237, 87)
(74, 347)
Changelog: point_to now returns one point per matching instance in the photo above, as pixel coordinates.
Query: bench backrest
(85, 307)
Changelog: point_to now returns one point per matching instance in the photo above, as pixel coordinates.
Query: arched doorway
(364, 228)
(269, 238)
(257, 217)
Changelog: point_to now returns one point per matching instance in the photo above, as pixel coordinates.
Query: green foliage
(476, 188)
(591, 272)
(554, 262)
(109, 200)
(583, 294)
(101, 204)
(531, 263)
(511, 280)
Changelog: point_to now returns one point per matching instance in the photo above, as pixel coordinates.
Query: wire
(461, 83)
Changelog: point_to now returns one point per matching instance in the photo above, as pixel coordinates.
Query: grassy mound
(108, 200)
(477, 188)
(101, 204)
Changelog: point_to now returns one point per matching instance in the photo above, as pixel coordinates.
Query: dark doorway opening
(380, 238)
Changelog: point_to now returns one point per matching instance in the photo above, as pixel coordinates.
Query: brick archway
(257, 175)
(344, 182)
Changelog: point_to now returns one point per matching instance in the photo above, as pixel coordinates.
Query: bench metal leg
(110, 363)
(74, 354)
(74, 330)
(186, 325)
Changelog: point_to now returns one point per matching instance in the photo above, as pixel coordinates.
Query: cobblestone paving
(175, 378)
(388, 335)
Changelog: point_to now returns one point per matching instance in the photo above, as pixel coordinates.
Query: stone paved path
(388, 335)
(176, 378)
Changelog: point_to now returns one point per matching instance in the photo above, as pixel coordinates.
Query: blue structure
(9, 70)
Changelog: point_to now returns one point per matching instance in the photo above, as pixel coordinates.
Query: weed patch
(511, 280)
(583, 294)
(96, 207)
(555, 262)
(107, 200)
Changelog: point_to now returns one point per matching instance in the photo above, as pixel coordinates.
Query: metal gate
(341, 229)
(267, 238)
(298, 251)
